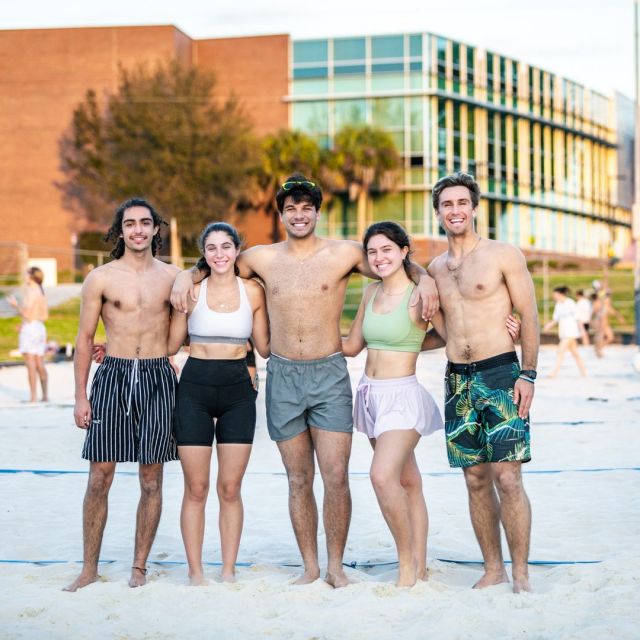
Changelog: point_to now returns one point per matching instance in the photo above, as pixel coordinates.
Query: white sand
(579, 515)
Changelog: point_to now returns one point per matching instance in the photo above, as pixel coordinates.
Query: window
(308, 51)
(348, 49)
(470, 72)
(489, 77)
(311, 117)
(442, 62)
(387, 47)
(350, 112)
(388, 113)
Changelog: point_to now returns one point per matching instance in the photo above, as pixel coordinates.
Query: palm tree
(363, 158)
(284, 153)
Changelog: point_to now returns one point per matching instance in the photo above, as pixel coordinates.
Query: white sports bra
(206, 325)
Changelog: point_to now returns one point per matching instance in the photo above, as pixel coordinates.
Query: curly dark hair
(299, 192)
(115, 230)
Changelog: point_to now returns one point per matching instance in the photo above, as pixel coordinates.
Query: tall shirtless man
(487, 395)
(129, 415)
(308, 394)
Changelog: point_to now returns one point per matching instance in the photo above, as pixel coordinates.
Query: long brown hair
(35, 273)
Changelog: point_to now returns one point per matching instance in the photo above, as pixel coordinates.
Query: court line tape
(353, 565)
(56, 472)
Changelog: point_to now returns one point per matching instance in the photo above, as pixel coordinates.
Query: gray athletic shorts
(302, 393)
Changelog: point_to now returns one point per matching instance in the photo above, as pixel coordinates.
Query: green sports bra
(393, 331)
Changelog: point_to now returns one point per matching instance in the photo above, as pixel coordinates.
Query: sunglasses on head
(287, 186)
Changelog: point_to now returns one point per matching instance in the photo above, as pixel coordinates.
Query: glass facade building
(543, 148)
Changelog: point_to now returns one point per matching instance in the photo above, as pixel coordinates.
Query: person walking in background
(608, 310)
(584, 309)
(33, 336)
(565, 315)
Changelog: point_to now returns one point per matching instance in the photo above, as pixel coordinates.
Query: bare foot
(521, 585)
(138, 577)
(491, 579)
(422, 574)
(407, 575)
(226, 576)
(337, 579)
(309, 576)
(198, 580)
(81, 581)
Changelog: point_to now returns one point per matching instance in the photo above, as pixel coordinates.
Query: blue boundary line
(45, 472)
(353, 565)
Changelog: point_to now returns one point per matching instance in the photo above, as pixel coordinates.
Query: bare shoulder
(168, 268)
(261, 251)
(253, 287)
(99, 277)
(509, 255)
(436, 264)
(348, 247)
(348, 251)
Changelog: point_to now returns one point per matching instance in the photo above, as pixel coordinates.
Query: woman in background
(33, 335)
(569, 330)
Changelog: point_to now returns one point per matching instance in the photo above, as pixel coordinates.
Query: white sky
(589, 41)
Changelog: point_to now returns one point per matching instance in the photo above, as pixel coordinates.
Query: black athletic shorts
(215, 397)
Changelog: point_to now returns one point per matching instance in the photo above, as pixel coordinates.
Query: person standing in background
(584, 309)
(33, 335)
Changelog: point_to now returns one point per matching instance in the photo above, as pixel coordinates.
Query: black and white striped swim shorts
(132, 405)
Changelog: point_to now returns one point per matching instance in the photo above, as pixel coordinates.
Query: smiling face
(385, 256)
(299, 218)
(138, 229)
(455, 211)
(220, 252)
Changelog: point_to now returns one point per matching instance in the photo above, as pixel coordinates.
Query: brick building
(545, 149)
(44, 74)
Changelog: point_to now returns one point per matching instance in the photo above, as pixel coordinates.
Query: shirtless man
(308, 392)
(487, 395)
(129, 415)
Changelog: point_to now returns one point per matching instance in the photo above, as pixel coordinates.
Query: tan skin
(305, 281)
(394, 471)
(480, 281)
(131, 295)
(33, 308)
(223, 296)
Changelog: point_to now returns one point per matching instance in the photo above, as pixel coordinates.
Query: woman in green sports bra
(391, 407)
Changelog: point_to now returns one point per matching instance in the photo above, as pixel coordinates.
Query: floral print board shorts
(481, 419)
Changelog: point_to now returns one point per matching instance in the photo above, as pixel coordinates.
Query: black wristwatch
(529, 373)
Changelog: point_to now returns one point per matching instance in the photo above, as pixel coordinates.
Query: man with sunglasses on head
(308, 391)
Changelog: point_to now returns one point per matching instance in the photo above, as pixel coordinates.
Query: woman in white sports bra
(216, 398)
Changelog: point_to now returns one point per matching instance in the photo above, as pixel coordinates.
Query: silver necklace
(464, 257)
